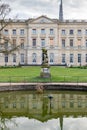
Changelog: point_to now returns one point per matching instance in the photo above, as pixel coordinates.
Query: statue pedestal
(45, 73)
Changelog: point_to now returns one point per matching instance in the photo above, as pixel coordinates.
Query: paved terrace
(46, 86)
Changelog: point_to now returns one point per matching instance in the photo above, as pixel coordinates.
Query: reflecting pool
(52, 110)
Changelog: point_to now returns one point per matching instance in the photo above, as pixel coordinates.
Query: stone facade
(65, 41)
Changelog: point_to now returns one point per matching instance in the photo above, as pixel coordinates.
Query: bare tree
(6, 45)
(4, 11)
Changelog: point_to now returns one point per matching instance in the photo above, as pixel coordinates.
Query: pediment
(42, 19)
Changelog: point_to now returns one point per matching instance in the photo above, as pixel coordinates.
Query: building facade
(65, 41)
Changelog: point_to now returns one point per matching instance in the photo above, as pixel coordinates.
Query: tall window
(14, 31)
(63, 32)
(34, 57)
(13, 43)
(51, 31)
(63, 42)
(63, 58)
(79, 58)
(42, 31)
(21, 31)
(51, 42)
(33, 31)
(42, 42)
(22, 58)
(14, 58)
(79, 42)
(85, 57)
(86, 32)
(86, 42)
(71, 32)
(6, 45)
(22, 43)
(51, 57)
(6, 58)
(34, 42)
(71, 42)
(6, 31)
(71, 58)
(79, 32)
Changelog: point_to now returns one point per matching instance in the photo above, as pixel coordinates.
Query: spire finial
(61, 12)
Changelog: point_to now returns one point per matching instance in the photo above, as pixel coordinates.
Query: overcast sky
(72, 9)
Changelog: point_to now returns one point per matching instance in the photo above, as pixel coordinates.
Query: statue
(45, 73)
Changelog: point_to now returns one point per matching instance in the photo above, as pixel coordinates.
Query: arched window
(51, 58)
(34, 57)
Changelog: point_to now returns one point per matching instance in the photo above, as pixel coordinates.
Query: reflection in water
(48, 111)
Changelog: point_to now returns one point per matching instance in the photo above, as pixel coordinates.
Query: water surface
(52, 110)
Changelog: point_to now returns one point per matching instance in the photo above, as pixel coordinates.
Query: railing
(58, 79)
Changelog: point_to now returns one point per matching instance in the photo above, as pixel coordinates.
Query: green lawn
(32, 73)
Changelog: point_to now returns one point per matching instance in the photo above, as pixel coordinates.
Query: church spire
(61, 12)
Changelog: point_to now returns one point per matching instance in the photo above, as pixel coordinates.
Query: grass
(32, 73)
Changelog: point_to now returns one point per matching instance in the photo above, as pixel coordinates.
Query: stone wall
(46, 86)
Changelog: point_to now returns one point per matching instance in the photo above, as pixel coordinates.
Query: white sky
(72, 9)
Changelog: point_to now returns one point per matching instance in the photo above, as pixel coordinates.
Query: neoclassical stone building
(65, 40)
